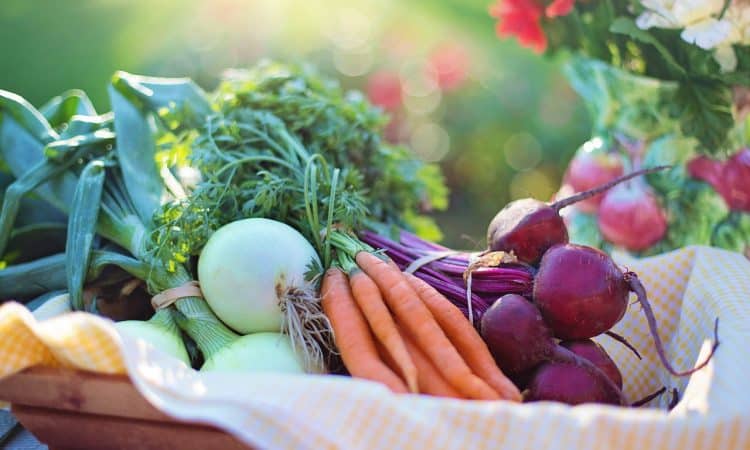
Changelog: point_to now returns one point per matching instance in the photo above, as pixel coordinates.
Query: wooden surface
(79, 410)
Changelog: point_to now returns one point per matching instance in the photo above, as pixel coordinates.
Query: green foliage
(703, 101)
(287, 144)
(733, 233)
(694, 210)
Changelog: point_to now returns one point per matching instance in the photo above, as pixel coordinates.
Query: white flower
(701, 25)
(677, 13)
(708, 33)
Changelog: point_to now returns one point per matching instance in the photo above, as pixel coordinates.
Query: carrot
(431, 382)
(429, 379)
(417, 319)
(367, 295)
(352, 335)
(465, 338)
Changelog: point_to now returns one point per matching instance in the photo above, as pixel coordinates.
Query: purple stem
(414, 241)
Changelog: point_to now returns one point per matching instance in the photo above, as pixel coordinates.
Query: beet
(736, 181)
(630, 216)
(572, 384)
(731, 179)
(580, 291)
(595, 353)
(528, 227)
(516, 334)
(519, 340)
(592, 165)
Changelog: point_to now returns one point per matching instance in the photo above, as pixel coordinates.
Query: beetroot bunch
(701, 200)
(542, 340)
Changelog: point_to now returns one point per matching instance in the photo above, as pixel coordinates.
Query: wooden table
(68, 410)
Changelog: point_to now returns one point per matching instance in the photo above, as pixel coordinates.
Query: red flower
(523, 19)
(559, 8)
(384, 90)
(448, 65)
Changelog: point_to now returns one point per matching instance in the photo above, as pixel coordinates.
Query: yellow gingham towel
(688, 289)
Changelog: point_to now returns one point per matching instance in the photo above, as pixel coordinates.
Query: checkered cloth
(688, 289)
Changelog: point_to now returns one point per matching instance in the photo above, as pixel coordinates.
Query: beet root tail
(581, 196)
(649, 397)
(637, 287)
(624, 342)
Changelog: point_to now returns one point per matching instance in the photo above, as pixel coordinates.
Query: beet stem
(675, 399)
(637, 287)
(562, 203)
(649, 397)
(623, 341)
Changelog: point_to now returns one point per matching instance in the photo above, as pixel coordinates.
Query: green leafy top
(674, 42)
(287, 144)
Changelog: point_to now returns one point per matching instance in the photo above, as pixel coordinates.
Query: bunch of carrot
(394, 328)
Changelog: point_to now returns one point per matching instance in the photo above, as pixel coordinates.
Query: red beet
(572, 384)
(592, 166)
(736, 181)
(706, 169)
(519, 340)
(631, 217)
(730, 179)
(528, 227)
(581, 293)
(595, 353)
(516, 334)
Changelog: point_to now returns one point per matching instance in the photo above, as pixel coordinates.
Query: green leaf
(34, 241)
(23, 134)
(136, 102)
(16, 107)
(179, 102)
(705, 110)
(61, 109)
(136, 155)
(733, 233)
(672, 150)
(626, 26)
(82, 222)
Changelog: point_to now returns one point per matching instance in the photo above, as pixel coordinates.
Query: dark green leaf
(705, 111)
(61, 109)
(626, 26)
(136, 154)
(84, 213)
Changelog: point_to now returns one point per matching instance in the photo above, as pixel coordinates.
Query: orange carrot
(417, 319)
(352, 335)
(465, 338)
(430, 380)
(367, 295)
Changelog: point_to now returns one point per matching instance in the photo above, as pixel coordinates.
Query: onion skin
(246, 267)
(258, 352)
(631, 217)
(159, 337)
(580, 291)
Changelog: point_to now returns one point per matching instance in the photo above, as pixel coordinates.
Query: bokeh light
(430, 141)
(500, 121)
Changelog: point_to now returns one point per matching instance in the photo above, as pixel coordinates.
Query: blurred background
(501, 121)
